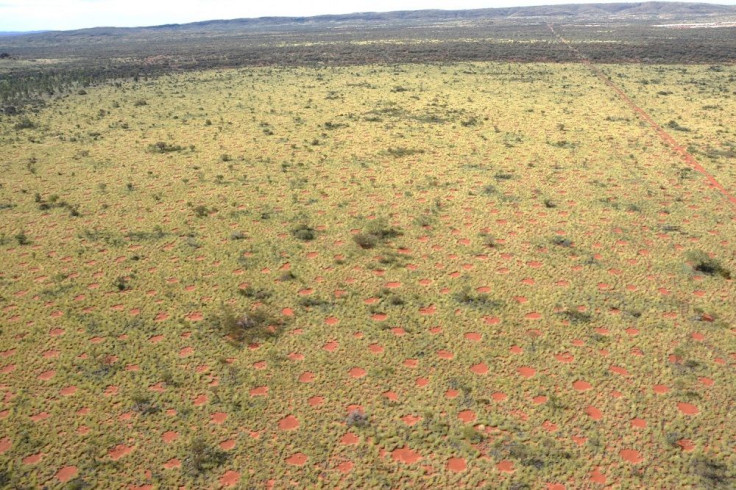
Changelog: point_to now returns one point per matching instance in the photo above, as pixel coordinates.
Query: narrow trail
(663, 135)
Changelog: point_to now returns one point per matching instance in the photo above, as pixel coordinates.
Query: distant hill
(592, 11)
(17, 33)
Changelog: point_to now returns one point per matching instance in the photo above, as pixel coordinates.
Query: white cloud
(18, 15)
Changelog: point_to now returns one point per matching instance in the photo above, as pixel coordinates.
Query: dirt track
(664, 135)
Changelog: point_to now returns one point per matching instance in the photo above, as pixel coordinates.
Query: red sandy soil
(218, 417)
(119, 451)
(375, 348)
(526, 372)
(597, 477)
(631, 456)
(316, 401)
(686, 445)
(33, 458)
(480, 368)
(405, 455)
(259, 391)
(297, 459)
(169, 436)
(581, 385)
(660, 389)
(66, 473)
(349, 439)
(331, 346)
(594, 413)
(5, 444)
(391, 395)
(68, 390)
(230, 478)
(289, 423)
(445, 354)
(456, 465)
(466, 416)
(227, 444)
(687, 408)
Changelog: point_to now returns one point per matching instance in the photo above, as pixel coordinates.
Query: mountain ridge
(619, 11)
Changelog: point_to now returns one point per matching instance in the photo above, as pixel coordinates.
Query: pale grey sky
(24, 15)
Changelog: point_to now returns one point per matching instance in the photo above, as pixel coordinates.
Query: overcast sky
(25, 15)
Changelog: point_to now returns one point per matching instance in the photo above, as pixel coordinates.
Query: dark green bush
(304, 233)
(702, 262)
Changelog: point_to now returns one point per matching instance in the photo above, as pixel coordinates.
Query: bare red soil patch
(33, 458)
(456, 465)
(480, 368)
(289, 423)
(687, 408)
(316, 401)
(526, 372)
(593, 413)
(5, 444)
(218, 418)
(581, 385)
(660, 389)
(230, 478)
(169, 436)
(119, 451)
(405, 455)
(297, 459)
(467, 416)
(631, 456)
(66, 473)
(259, 391)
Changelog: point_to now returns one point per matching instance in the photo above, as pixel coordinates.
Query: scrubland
(475, 274)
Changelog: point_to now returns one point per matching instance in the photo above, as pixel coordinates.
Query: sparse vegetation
(368, 275)
(702, 262)
(247, 328)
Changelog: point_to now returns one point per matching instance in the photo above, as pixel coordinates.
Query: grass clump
(247, 328)
(478, 300)
(366, 240)
(562, 242)
(22, 238)
(304, 233)
(163, 147)
(575, 316)
(202, 457)
(24, 123)
(702, 262)
(400, 151)
(356, 418)
(202, 211)
(377, 232)
(713, 474)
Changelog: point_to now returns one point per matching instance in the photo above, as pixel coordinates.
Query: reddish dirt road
(664, 135)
